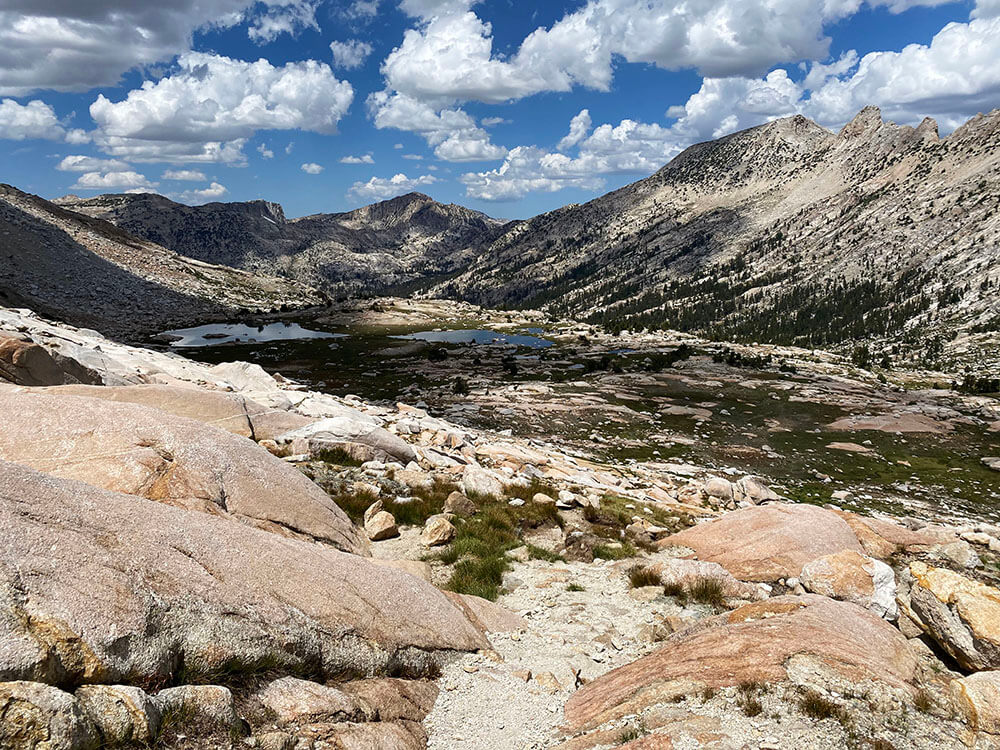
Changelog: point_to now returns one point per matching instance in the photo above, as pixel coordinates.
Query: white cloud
(76, 45)
(111, 180)
(289, 147)
(431, 8)
(184, 175)
(289, 17)
(382, 188)
(579, 126)
(452, 132)
(413, 157)
(211, 193)
(78, 163)
(36, 119)
(986, 9)
(311, 168)
(350, 54)
(361, 11)
(209, 108)
(366, 159)
(265, 152)
(628, 148)
(489, 122)
(77, 136)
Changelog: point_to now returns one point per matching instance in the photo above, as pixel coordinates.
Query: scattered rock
(992, 462)
(34, 716)
(479, 481)
(460, 505)
(962, 615)
(437, 531)
(853, 577)
(300, 701)
(121, 713)
(959, 553)
(381, 526)
(212, 703)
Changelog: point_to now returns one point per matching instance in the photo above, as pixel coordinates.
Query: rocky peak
(928, 129)
(867, 121)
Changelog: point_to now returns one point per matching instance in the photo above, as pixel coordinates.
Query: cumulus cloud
(76, 46)
(195, 197)
(382, 188)
(579, 126)
(111, 180)
(265, 152)
(184, 175)
(211, 105)
(351, 54)
(627, 148)
(489, 122)
(452, 133)
(79, 163)
(36, 119)
(366, 159)
(986, 9)
(311, 168)
(951, 79)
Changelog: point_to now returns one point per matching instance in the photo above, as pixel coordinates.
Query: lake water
(237, 333)
(478, 337)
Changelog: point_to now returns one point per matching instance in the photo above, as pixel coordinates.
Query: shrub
(575, 587)
(923, 701)
(337, 456)
(677, 591)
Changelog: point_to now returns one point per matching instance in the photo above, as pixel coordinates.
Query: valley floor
(577, 541)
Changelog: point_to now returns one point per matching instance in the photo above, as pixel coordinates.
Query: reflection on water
(237, 333)
(479, 337)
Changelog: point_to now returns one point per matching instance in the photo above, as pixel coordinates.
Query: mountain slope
(398, 241)
(784, 233)
(89, 272)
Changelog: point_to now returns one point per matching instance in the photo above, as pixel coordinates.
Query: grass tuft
(639, 576)
(819, 707)
(708, 591)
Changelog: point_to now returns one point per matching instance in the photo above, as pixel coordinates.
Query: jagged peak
(868, 120)
(928, 128)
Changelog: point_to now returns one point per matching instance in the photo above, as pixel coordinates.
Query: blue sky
(326, 105)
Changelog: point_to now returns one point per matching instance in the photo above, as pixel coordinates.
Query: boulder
(293, 701)
(540, 498)
(977, 699)
(381, 526)
(34, 716)
(375, 735)
(675, 571)
(719, 488)
(460, 505)
(992, 462)
(85, 571)
(765, 543)
(437, 531)
(211, 703)
(488, 616)
(395, 699)
(962, 615)
(781, 639)
(23, 362)
(754, 490)
(121, 713)
(146, 452)
(853, 577)
(232, 412)
(479, 481)
(348, 428)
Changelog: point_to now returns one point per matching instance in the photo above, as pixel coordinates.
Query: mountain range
(786, 233)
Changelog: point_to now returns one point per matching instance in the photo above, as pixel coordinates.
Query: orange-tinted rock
(881, 539)
(24, 362)
(853, 577)
(765, 543)
(752, 643)
(142, 451)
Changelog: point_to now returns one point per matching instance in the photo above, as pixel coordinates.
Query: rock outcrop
(853, 577)
(146, 452)
(765, 543)
(97, 586)
(768, 641)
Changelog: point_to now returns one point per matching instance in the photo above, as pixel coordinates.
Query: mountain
(784, 233)
(89, 272)
(374, 248)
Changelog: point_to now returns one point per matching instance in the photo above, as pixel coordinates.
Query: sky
(511, 108)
